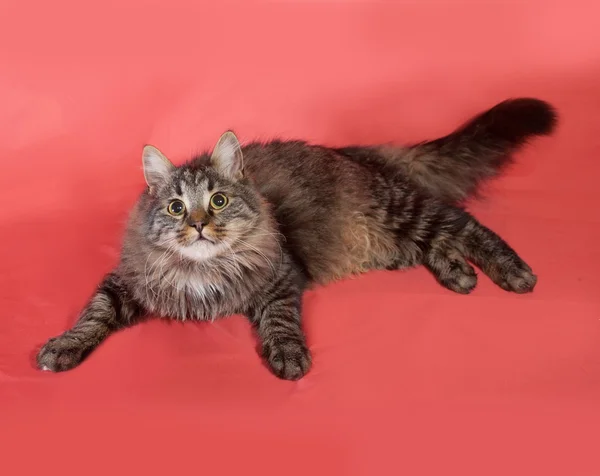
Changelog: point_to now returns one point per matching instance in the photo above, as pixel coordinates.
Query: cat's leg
(445, 237)
(425, 231)
(496, 258)
(109, 309)
(277, 320)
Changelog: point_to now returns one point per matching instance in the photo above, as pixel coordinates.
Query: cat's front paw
(288, 359)
(518, 278)
(61, 353)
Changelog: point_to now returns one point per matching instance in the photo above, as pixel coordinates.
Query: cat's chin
(200, 250)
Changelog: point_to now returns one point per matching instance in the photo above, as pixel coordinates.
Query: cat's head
(204, 208)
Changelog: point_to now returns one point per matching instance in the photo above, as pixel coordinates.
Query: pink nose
(198, 225)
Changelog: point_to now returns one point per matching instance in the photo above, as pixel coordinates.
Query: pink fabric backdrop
(408, 378)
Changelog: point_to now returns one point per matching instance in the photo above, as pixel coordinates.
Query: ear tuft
(227, 157)
(157, 168)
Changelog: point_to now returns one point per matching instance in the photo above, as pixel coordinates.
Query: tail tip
(535, 116)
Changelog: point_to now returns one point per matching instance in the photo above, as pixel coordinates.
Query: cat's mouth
(203, 238)
(194, 237)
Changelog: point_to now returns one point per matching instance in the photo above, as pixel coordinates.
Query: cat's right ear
(157, 168)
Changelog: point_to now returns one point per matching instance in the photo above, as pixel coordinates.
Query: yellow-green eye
(218, 201)
(176, 208)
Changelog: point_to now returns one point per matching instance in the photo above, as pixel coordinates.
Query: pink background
(408, 378)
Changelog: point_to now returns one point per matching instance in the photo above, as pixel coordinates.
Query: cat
(245, 230)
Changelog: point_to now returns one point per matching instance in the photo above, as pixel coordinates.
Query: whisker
(257, 251)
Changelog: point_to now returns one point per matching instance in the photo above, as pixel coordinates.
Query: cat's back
(303, 180)
(291, 164)
(324, 204)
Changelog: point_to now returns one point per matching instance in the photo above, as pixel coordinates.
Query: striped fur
(298, 215)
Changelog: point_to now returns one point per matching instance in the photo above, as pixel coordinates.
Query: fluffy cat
(247, 229)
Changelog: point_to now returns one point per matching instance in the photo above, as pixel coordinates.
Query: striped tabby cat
(248, 229)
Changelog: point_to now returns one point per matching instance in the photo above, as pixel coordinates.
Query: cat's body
(295, 215)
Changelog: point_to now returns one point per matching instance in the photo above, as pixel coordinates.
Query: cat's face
(201, 210)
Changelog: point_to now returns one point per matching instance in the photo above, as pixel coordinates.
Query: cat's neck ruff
(184, 286)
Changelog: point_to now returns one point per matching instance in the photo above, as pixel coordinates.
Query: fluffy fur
(298, 214)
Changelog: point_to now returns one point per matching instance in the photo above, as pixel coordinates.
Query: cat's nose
(198, 225)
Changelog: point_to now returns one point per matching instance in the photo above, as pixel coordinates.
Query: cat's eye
(176, 208)
(219, 201)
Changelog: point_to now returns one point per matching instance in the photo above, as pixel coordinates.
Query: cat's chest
(194, 294)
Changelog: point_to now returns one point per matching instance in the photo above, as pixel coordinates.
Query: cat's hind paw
(518, 278)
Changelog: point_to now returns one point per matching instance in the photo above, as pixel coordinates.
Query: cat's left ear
(157, 168)
(227, 157)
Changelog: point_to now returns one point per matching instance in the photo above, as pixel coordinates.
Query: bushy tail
(453, 166)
